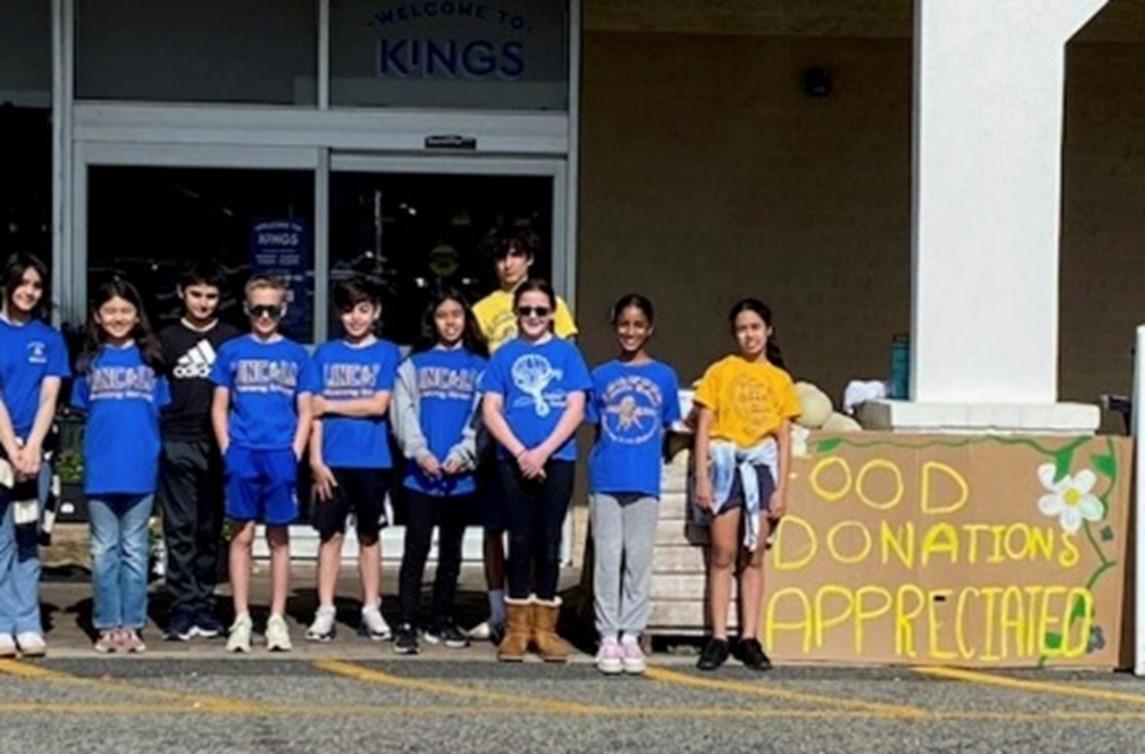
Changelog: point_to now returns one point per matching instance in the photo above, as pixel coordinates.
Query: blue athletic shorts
(262, 485)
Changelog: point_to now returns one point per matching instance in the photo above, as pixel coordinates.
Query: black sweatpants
(191, 498)
(536, 512)
(450, 515)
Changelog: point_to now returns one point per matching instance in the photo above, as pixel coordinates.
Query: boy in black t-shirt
(191, 478)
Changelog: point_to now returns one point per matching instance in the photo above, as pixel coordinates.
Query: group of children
(484, 411)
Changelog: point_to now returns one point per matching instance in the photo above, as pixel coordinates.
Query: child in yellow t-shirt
(513, 254)
(744, 406)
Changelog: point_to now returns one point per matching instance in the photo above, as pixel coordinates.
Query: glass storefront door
(412, 224)
(417, 225)
(417, 233)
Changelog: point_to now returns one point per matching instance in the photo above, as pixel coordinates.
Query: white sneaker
(7, 646)
(373, 625)
(610, 657)
(633, 657)
(322, 629)
(278, 634)
(487, 631)
(31, 644)
(239, 638)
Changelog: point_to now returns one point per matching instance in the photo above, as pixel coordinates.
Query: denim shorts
(766, 486)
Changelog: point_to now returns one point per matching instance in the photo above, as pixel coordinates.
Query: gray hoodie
(405, 418)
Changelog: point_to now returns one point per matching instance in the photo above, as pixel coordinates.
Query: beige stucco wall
(707, 174)
(1103, 218)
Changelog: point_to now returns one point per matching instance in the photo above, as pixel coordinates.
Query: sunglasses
(533, 311)
(264, 310)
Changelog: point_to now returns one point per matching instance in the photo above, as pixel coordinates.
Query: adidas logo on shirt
(195, 363)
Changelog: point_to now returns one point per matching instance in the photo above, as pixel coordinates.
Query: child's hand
(778, 505)
(429, 466)
(532, 464)
(452, 466)
(27, 461)
(703, 493)
(324, 482)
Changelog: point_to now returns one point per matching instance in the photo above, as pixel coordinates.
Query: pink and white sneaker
(632, 657)
(610, 657)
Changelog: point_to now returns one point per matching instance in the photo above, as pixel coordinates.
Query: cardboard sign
(971, 550)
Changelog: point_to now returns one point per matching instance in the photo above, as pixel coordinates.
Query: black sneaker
(446, 632)
(207, 625)
(405, 639)
(714, 655)
(181, 626)
(752, 656)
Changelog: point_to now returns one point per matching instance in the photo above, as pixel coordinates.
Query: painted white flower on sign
(1070, 498)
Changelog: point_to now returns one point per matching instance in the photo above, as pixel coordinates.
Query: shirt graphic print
(532, 374)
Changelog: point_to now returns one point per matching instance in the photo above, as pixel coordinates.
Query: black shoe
(752, 656)
(446, 632)
(714, 655)
(405, 639)
(181, 626)
(207, 625)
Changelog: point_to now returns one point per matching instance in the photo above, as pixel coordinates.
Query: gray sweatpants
(624, 535)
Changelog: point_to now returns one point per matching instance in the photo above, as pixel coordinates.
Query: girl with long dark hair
(119, 385)
(434, 411)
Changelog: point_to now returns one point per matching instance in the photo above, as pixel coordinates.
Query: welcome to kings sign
(455, 53)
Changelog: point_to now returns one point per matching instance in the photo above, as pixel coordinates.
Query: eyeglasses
(533, 311)
(264, 310)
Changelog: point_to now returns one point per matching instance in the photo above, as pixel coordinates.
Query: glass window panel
(447, 53)
(26, 128)
(148, 224)
(26, 62)
(413, 233)
(261, 51)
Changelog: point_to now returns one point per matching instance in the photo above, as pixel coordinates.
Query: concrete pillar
(988, 97)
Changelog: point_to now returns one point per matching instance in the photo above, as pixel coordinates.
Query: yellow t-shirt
(499, 322)
(748, 400)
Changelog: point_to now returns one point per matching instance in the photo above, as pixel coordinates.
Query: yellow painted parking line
(194, 701)
(771, 692)
(367, 675)
(1021, 684)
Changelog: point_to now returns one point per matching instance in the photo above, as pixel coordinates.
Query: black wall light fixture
(817, 81)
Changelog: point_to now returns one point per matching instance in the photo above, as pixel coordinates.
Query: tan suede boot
(518, 630)
(550, 646)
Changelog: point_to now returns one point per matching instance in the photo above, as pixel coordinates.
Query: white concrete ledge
(1001, 418)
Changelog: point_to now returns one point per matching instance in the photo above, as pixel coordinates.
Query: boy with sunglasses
(261, 415)
(513, 252)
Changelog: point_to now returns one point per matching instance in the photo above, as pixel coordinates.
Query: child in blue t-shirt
(634, 398)
(533, 401)
(33, 363)
(120, 387)
(351, 379)
(261, 417)
(435, 403)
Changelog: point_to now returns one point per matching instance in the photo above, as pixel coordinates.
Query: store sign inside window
(452, 39)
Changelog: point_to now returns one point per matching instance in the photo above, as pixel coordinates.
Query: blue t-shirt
(340, 371)
(28, 354)
(535, 381)
(264, 380)
(447, 393)
(632, 405)
(122, 397)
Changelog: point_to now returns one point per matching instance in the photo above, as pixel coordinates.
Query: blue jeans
(120, 546)
(20, 566)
